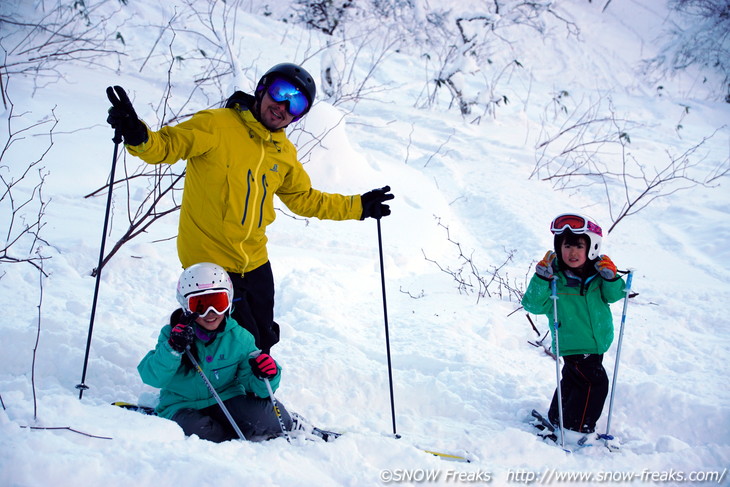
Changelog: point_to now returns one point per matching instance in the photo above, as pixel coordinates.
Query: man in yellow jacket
(238, 157)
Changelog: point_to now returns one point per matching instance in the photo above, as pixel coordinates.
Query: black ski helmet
(294, 74)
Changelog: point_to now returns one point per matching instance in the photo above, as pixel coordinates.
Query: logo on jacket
(275, 168)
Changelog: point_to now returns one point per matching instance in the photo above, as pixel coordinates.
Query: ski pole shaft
(556, 325)
(627, 290)
(277, 411)
(387, 335)
(274, 403)
(117, 140)
(215, 394)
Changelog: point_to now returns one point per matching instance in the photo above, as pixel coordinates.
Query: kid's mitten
(544, 268)
(606, 268)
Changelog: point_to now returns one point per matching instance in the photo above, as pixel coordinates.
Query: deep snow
(465, 377)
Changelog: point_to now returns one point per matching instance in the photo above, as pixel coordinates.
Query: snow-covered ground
(465, 377)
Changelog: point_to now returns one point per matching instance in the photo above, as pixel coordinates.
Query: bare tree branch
(479, 282)
(591, 148)
(21, 196)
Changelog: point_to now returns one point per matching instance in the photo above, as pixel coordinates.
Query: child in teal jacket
(587, 283)
(228, 357)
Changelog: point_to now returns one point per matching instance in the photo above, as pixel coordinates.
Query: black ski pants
(253, 305)
(584, 388)
(254, 416)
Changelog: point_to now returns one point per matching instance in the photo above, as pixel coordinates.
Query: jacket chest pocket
(258, 198)
(223, 374)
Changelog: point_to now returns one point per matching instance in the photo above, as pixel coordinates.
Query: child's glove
(181, 337)
(544, 268)
(263, 366)
(606, 268)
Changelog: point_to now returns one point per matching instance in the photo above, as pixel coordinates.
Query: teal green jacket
(586, 324)
(224, 361)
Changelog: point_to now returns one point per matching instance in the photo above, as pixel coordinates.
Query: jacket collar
(242, 103)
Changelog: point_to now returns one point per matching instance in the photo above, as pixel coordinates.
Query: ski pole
(215, 394)
(117, 140)
(277, 411)
(275, 404)
(554, 297)
(387, 337)
(627, 290)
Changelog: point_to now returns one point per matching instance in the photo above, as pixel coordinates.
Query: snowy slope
(465, 377)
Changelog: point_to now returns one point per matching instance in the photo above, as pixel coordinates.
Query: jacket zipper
(249, 178)
(253, 190)
(265, 186)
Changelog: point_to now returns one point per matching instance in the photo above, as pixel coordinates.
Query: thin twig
(66, 428)
(41, 275)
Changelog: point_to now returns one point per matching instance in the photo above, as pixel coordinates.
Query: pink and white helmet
(203, 278)
(580, 225)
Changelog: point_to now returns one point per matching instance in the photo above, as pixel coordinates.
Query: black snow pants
(253, 305)
(584, 387)
(254, 416)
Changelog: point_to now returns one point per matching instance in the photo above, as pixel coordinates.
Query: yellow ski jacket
(234, 167)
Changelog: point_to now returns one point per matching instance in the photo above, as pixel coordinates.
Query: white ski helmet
(578, 225)
(203, 278)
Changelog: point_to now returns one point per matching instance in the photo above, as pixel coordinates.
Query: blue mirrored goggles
(281, 91)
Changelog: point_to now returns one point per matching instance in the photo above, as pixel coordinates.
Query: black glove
(372, 203)
(263, 366)
(182, 334)
(123, 118)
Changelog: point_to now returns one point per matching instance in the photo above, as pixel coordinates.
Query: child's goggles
(576, 224)
(283, 91)
(217, 301)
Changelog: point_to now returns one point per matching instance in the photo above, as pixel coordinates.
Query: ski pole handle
(629, 278)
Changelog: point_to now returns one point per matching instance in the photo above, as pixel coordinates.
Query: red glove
(544, 268)
(263, 366)
(606, 268)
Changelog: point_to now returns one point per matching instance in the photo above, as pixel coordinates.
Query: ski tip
(149, 410)
(449, 456)
(327, 436)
